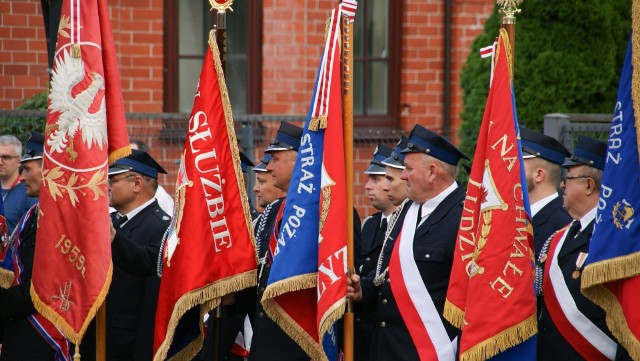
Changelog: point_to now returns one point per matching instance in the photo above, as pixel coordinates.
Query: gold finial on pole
(509, 8)
(221, 5)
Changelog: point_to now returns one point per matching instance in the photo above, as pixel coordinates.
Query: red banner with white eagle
(209, 250)
(85, 130)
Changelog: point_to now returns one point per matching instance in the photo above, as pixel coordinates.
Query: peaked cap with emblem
(35, 147)
(139, 162)
(422, 140)
(538, 145)
(287, 138)
(396, 159)
(262, 165)
(381, 153)
(588, 151)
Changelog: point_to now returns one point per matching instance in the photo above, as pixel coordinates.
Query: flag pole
(509, 9)
(220, 35)
(347, 120)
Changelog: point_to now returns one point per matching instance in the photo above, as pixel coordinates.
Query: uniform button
(383, 324)
(261, 289)
(427, 256)
(384, 301)
(260, 314)
(358, 319)
(368, 259)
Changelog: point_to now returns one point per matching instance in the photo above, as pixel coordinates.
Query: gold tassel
(76, 356)
(319, 122)
(75, 51)
(6, 278)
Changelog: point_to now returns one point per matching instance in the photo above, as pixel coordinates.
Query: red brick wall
(23, 52)
(293, 39)
(137, 32)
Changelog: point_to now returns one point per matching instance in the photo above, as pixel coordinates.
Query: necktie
(573, 230)
(382, 230)
(419, 216)
(119, 220)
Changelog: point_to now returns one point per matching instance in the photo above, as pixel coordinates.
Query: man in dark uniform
(374, 229)
(20, 338)
(421, 260)
(269, 341)
(543, 157)
(570, 326)
(138, 227)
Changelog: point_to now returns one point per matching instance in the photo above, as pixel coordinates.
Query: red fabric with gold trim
(85, 128)
(209, 249)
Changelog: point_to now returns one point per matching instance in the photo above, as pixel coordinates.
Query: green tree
(568, 56)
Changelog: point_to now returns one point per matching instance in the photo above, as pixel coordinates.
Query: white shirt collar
(134, 212)
(587, 218)
(429, 206)
(537, 206)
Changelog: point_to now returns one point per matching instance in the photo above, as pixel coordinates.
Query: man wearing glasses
(570, 326)
(14, 194)
(138, 227)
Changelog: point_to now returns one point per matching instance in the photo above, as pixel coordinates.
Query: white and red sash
(412, 297)
(49, 332)
(585, 337)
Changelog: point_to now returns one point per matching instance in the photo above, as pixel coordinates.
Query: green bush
(21, 127)
(568, 56)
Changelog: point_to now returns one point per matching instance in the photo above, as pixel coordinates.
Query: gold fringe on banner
(208, 298)
(635, 64)
(453, 314)
(616, 322)
(119, 154)
(61, 323)
(501, 342)
(280, 317)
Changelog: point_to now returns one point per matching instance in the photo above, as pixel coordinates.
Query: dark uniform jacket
(20, 339)
(131, 301)
(366, 261)
(552, 345)
(549, 219)
(269, 342)
(433, 247)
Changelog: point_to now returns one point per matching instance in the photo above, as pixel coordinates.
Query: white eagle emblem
(74, 112)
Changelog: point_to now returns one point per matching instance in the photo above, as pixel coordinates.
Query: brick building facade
(291, 43)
